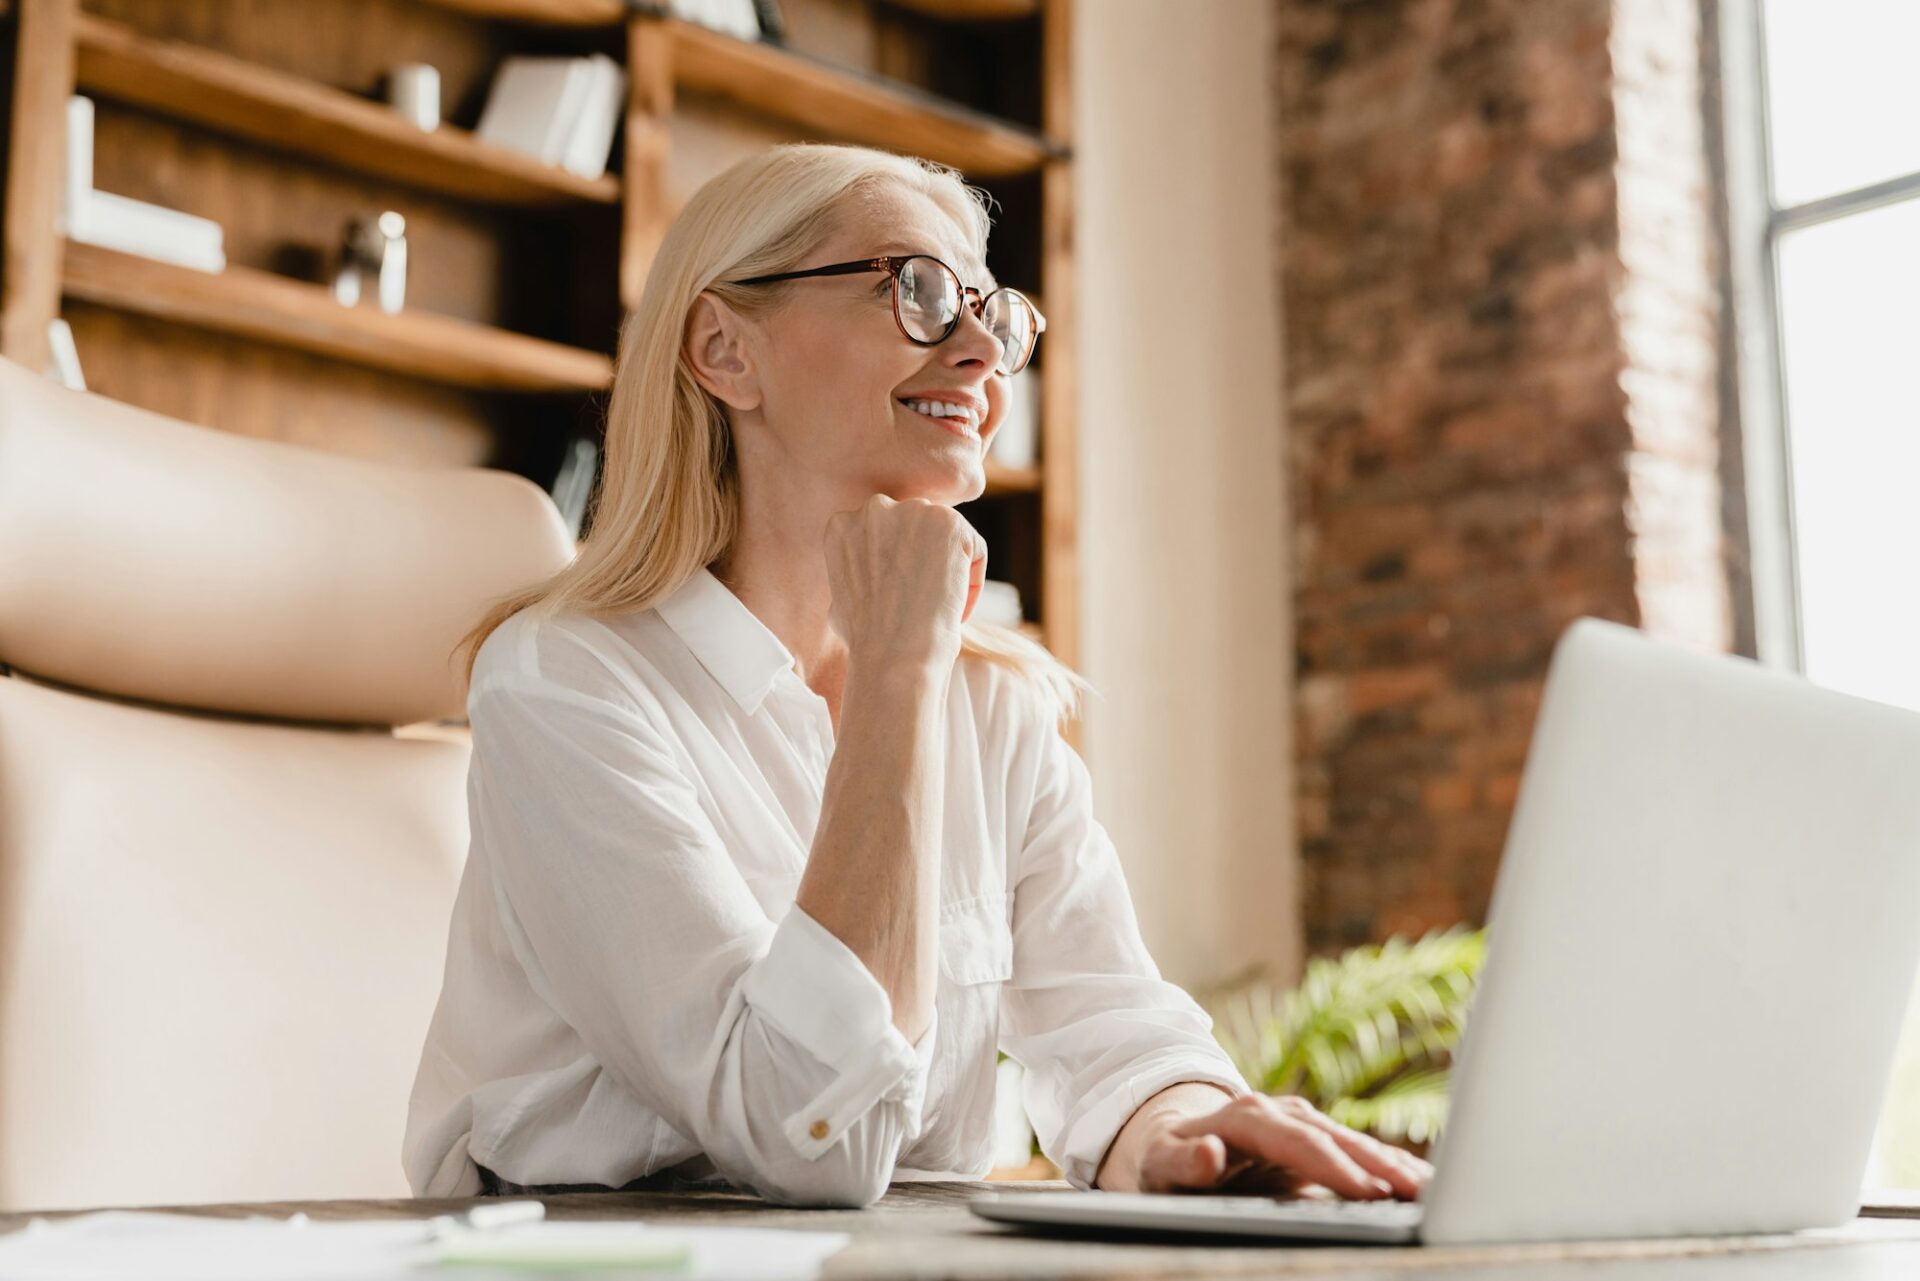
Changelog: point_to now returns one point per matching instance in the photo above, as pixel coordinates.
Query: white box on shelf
(413, 89)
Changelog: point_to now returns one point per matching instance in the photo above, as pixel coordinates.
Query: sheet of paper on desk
(153, 1246)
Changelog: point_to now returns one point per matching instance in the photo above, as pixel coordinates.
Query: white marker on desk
(502, 1214)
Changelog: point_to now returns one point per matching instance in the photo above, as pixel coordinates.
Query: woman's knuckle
(1322, 1142)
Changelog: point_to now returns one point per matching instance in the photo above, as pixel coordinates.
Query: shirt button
(818, 1130)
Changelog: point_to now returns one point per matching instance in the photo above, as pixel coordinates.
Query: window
(1823, 167)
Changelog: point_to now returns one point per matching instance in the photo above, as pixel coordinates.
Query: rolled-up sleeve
(1087, 1014)
(770, 1045)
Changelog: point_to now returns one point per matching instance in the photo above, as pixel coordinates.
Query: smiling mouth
(958, 426)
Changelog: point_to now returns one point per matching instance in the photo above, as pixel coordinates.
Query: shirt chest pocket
(976, 940)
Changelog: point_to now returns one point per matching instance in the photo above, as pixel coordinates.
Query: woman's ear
(719, 354)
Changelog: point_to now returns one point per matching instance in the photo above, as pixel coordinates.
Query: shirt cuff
(1111, 1105)
(818, 993)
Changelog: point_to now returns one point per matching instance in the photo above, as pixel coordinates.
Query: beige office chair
(225, 880)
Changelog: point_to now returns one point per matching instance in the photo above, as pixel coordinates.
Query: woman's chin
(950, 484)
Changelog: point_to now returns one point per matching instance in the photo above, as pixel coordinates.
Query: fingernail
(1383, 1186)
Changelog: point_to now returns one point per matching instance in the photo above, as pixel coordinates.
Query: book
(532, 104)
(773, 23)
(152, 231)
(561, 111)
(120, 222)
(63, 358)
(79, 153)
(590, 140)
(742, 19)
(738, 18)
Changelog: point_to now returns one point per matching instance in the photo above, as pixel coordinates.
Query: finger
(976, 575)
(1288, 1141)
(1407, 1173)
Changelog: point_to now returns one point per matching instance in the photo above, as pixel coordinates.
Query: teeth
(941, 409)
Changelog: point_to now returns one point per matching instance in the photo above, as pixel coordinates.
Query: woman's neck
(778, 569)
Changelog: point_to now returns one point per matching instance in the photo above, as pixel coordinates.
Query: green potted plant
(1367, 1036)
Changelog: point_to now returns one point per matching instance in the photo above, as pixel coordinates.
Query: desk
(924, 1230)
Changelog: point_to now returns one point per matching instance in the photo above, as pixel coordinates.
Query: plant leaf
(1367, 1035)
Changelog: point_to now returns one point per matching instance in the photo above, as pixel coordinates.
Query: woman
(771, 847)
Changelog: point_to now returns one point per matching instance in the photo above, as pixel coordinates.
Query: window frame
(1755, 225)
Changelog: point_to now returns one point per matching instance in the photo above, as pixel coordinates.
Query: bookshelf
(293, 313)
(228, 94)
(830, 101)
(264, 116)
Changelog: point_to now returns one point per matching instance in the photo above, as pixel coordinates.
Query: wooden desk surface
(924, 1230)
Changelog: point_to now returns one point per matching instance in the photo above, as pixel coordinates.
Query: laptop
(1700, 947)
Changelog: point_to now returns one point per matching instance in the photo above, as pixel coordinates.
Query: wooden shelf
(1002, 479)
(971, 10)
(296, 314)
(607, 13)
(290, 113)
(552, 13)
(846, 105)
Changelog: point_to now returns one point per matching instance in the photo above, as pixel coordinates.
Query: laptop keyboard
(1303, 1210)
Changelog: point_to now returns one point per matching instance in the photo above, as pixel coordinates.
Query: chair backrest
(231, 826)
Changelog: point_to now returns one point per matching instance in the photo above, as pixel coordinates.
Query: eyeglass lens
(929, 302)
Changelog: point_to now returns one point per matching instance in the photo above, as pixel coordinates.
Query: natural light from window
(1844, 113)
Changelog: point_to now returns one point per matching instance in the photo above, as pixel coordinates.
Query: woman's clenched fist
(904, 576)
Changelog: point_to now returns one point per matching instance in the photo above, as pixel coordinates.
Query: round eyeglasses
(928, 296)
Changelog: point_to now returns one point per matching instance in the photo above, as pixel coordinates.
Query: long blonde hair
(668, 500)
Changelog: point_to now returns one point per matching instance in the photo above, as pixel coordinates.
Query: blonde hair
(668, 500)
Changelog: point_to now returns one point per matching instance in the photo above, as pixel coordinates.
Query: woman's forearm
(873, 875)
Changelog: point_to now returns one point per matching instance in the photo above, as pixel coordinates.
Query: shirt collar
(731, 642)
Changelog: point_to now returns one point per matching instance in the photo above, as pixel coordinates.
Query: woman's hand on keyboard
(1264, 1145)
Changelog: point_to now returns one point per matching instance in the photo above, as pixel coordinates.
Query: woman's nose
(972, 337)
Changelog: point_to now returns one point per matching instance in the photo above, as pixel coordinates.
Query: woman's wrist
(897, 675)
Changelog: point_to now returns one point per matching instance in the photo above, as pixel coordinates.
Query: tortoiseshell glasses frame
(963, 295)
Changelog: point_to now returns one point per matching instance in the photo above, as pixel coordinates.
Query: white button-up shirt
(630, 986)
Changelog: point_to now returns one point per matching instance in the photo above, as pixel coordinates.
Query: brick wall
(1499, 283)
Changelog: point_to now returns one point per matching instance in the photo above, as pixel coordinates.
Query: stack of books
(130, 226)
(559, 110)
